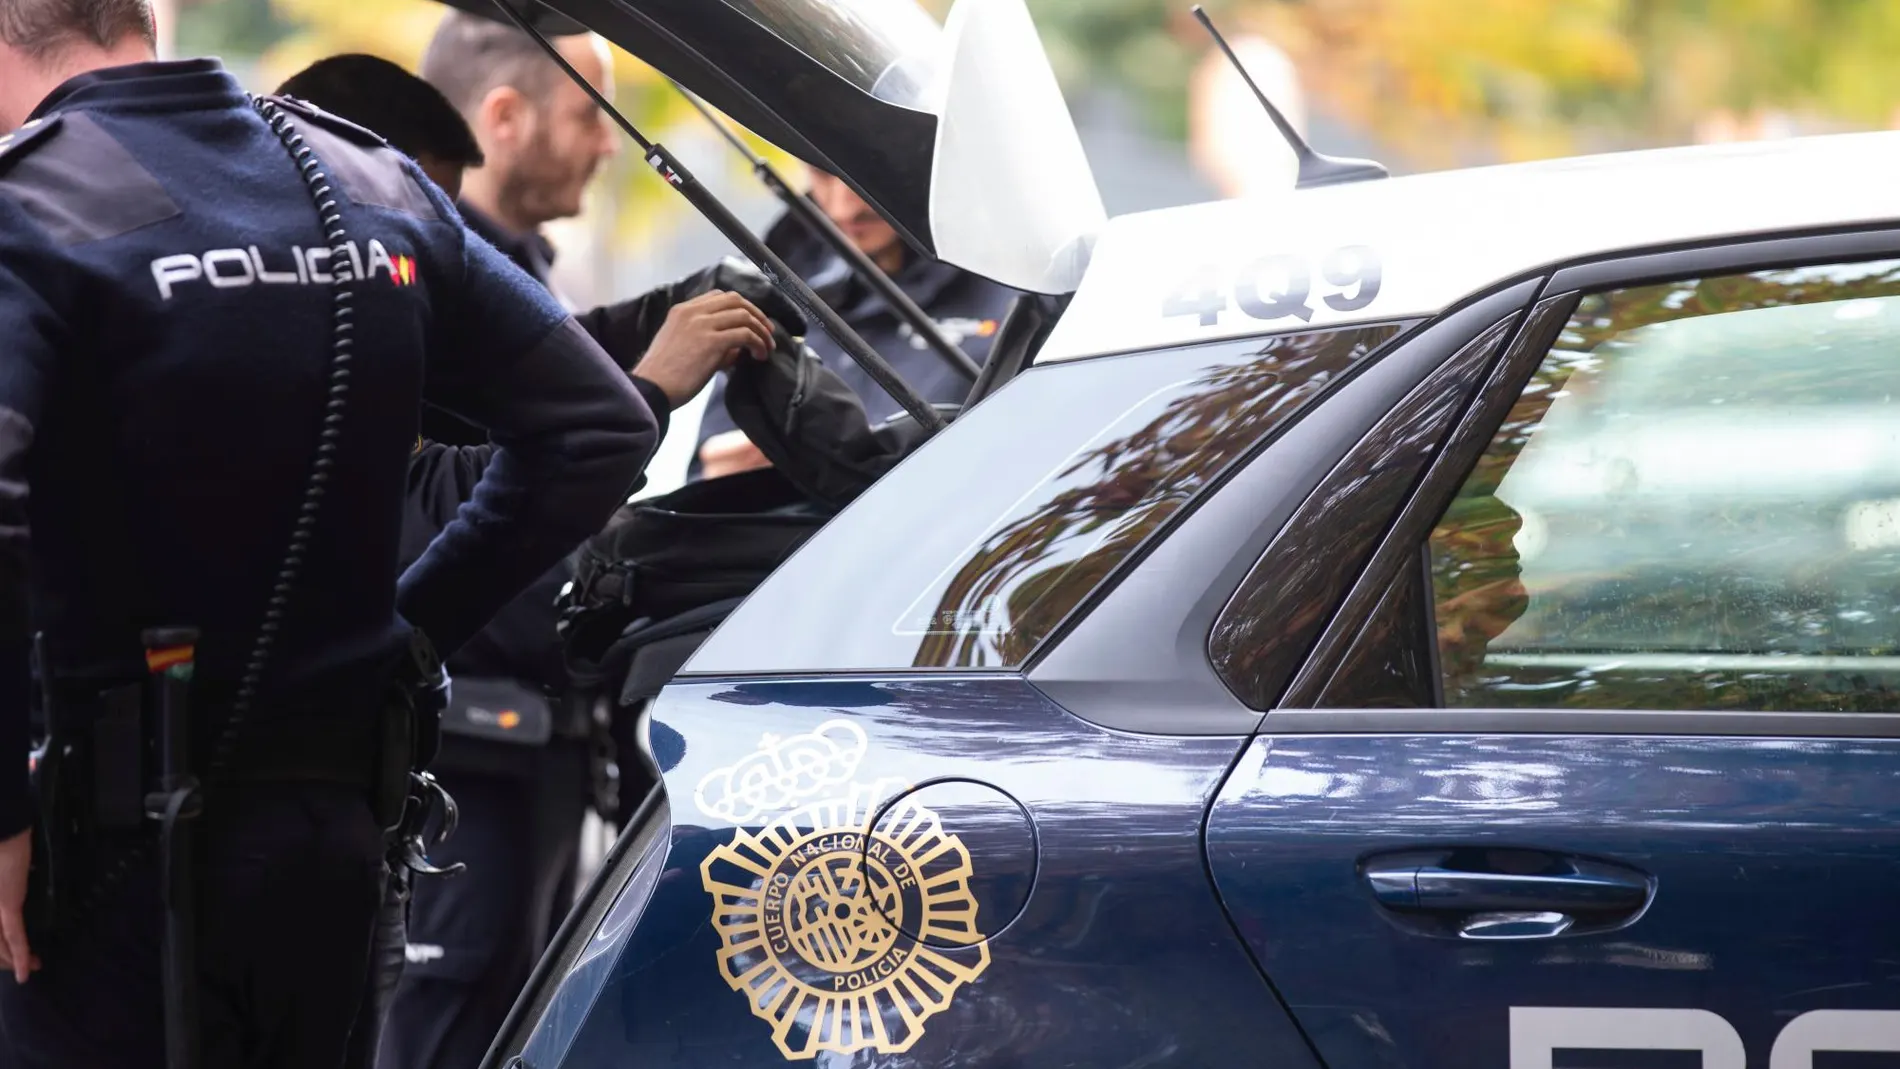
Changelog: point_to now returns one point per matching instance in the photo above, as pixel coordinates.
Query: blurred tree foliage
(227, 27)
(1445, 79)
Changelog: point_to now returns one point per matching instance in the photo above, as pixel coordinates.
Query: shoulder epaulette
(16, 144)
(336, 124)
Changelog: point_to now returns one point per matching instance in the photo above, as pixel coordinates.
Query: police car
(1439, 621)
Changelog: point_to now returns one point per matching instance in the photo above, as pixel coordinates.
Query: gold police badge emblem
(844, 937)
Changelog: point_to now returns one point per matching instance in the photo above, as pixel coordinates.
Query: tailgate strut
(821, 225)
(735, 231)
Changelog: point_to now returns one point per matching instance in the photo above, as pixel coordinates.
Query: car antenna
(702, 199)
(1315, 169)
(820, 224)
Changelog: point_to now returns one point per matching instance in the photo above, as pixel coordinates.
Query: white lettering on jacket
(251, 266)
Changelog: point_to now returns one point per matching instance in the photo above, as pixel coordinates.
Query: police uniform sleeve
(441, 478)
(32, 331)
(627, 329)
(571, 435)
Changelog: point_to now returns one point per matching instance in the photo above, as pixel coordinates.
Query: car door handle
(1437, 887)
(1509, 894)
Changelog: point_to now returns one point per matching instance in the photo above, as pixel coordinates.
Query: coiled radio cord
(343, 311)
(343, 293)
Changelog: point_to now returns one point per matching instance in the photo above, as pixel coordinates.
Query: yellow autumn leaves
(1447, 81)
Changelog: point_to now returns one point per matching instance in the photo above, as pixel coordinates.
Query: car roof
(1427, 241)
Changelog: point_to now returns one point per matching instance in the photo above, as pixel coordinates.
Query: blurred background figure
(409, 113)
(542, 139)
(966, 307)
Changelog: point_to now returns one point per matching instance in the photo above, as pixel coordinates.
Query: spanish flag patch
(169, 657)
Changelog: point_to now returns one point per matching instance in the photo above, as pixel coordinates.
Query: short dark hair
(41, 28)
(471, 56)
(372, 92)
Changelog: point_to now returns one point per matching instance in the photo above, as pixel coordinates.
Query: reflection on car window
(1061, 540)
(1695, 504)
(888, 48)
(1027, 505)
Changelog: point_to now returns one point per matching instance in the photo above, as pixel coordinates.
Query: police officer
(408, 112)
(473, 941)
(967, 308)
(175, 264)
(543, 140)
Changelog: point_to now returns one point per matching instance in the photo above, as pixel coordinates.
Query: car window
(1059, 542)
(1694, 504)
(993, 534)
(1267, 629)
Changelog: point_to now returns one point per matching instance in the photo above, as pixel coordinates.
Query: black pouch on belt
(416, 693)
(87, 779)
(500, 710)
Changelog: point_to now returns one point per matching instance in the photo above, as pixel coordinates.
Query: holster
(88, 779)
(90, 774)
(416, 694)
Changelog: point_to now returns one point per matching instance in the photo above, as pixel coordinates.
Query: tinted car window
(977, 549)
(1278, 611)
(1390, 663)
(1695, 504)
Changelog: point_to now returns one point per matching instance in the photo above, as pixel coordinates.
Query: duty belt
(340, 748)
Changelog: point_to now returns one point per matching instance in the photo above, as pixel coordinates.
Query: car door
(1598, 757)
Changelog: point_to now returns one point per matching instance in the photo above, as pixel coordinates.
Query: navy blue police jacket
(967, 308)
(521, 642)
(165, 300)
(534, 254)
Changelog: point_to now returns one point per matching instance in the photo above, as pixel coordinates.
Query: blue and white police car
(1439, 621)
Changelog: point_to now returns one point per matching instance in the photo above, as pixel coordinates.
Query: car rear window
(977, 549)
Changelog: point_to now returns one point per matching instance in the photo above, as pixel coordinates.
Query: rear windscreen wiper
(735, 231)
(821, 225)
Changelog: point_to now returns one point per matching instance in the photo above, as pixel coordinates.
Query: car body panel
(1103, 965)
(1775, 864)
(1417, 244)
(569, 999)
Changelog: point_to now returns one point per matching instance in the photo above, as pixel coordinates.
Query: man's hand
(701, 338)
(745, 280)
(729, 454)
(16, 860)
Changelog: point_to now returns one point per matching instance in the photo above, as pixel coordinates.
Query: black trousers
(290, 881)
(385, 973)
(474, 938)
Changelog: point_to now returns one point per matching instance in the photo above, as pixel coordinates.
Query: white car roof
(1433, 239)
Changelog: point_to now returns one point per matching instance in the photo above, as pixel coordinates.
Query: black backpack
(710, 543)
(706, 543)
(649, 589)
